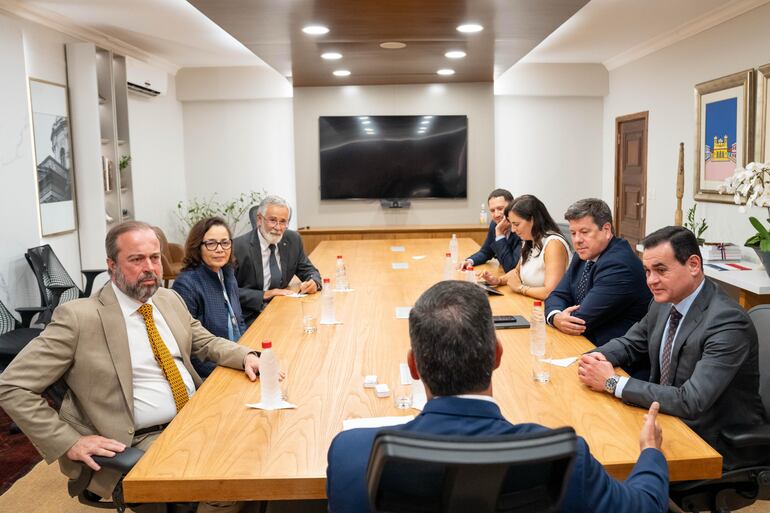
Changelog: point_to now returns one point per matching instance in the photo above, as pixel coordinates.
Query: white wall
(474, 100)
(662, 83)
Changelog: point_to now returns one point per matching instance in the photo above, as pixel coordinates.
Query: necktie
(275, 271)
(164, 358)
(582, 288)
(665, 367)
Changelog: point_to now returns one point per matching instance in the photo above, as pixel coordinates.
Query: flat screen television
(393, 157)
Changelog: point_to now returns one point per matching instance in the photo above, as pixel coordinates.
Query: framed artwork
(53, 157)
(724, 132)
(763, 119)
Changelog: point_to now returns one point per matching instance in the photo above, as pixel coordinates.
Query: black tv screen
(390, 157)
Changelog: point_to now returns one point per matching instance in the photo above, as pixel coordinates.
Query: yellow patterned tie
(164, 358)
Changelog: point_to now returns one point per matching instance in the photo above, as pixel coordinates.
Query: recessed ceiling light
(331, 56)
(315, 30)
(341, 73)
(424, 122)
(446, 71)
(365, 122)
(363, 117)
(427, 117)
(393, 45)
(455, 54)
(469, 28)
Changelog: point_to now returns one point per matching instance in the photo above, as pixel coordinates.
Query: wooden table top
(216, 448)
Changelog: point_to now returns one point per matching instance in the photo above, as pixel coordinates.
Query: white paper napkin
(418, 257)
(283, 406)
(402, 312)
(344, 290)
(561, 362)
(397, 249)
(399, 265)
(330, 323)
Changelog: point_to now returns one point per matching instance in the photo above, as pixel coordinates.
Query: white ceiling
(610, 32)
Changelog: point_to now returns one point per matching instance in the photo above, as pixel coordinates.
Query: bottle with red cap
(269, 370)
(449, 268)
(538, 343)
(470, 274)
(340, 276)
(327, 303)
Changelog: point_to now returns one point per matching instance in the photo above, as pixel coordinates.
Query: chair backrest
(253, 216)
(760, 316)
(411, 472)
(564, 229)
(165, 253)
(49, 272)
(7, 321)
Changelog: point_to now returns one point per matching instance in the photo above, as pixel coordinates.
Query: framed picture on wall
(724, 132)
(763, 117)
(53, 157)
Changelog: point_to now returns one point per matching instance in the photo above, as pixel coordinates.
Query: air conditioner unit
(143, 79)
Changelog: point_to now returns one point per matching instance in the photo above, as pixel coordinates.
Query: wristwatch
(611, 384)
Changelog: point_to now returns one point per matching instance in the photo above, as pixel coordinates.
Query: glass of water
(402, 397)
(309, 316)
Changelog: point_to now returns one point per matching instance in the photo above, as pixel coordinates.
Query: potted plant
(190, 212)
(752, 184)
(696, 226)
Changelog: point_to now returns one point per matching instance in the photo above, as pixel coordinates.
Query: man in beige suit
(123, 388)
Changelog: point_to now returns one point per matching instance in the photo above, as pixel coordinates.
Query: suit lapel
(284, 251)
(116, 337)
(256, 257)
(691, 320)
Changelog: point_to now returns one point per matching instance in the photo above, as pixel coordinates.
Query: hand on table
(566, 323)
(514, 280)
(308, 287)
(490, 278)
(593, 371)
(466, 264)
(651, 435)
(251, 367)
(271, 293)
(94, 445)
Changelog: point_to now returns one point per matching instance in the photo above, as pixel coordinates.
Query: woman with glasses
(207, 283)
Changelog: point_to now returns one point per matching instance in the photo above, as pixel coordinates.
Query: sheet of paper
(296, 294)
(561, 362)
(406, 376)
(402, 312)
(370, 422)
(283, 406)
(330, 323)
(397, 249)
(344, 290)
(399, 265)
(418, 257)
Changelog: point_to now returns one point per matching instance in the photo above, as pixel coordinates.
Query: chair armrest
(90, 275)
(28, 312)
(742, 435)
(123, 462)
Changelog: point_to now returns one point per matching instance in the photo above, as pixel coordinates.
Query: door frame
(616, 208)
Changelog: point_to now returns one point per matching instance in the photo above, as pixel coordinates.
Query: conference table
(217, 448)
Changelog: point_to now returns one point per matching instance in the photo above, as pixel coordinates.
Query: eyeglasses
(272, 221)
(211, 245)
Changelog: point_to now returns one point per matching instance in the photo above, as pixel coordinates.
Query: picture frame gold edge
(762, 79)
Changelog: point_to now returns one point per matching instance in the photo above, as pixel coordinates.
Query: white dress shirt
(153, 400)
(264, 245)
(682, 307)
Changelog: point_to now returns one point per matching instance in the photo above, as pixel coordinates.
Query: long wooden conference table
(217, 448)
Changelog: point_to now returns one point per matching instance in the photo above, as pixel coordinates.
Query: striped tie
(665, 367)
(164, 358)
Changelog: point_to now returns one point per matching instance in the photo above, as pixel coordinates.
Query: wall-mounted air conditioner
(143, 79)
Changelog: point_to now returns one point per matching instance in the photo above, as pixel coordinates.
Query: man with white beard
(269, 257)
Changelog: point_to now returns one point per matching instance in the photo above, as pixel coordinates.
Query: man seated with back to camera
(701, 345)
(501, 242)
(454, 351)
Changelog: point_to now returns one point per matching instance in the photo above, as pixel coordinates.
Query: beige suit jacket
(86, 344)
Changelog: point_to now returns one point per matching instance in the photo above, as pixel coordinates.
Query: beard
(271, 238)
(135, 290)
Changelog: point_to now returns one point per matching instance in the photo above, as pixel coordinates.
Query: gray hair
(598, 210)
(111, 241)
(453, 338)
(273, 200)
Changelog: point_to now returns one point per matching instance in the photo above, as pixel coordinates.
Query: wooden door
(631, 177)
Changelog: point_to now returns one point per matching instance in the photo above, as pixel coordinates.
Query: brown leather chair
(171, 255)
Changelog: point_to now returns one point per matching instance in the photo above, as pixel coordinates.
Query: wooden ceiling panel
(272, 29)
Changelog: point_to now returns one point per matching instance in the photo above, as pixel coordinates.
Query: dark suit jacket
(248, 272)
(590, 488)
(507, 251)
(714, 362)
(617, 292)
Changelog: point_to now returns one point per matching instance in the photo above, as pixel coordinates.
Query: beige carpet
(44, 490)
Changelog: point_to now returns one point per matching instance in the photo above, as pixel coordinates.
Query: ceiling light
(427, 117)
(446, 71)
(424, 122)
(331, 56)
(341, 73)
(469, 28)
(365, 122)
(392, 45)
(363, 117)
(455, 54)
(315, 30)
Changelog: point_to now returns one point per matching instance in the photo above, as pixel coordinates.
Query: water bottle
(449, 268)
(484, 215)
(453, 248)
(470, 274)
(340, 276)
(327, 303)
(538, 343)
(269, 370)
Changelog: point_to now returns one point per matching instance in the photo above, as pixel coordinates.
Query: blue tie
(582, 288)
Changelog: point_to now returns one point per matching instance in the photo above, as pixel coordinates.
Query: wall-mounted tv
(387, 157)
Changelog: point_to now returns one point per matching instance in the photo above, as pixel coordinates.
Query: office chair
(415, 472)
(13, 336)
(171, 257)
(122, 462)
(55, 284)
(743, 486)
(253, 216)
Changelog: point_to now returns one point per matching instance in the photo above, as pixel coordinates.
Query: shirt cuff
(549, 318)
(620, 386)
(499, 237)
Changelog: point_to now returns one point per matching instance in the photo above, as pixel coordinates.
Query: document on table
(418, 257)
(296, 294)
(561, 362)
(369, 422)
(402, 312)
(397, 249)
(399, 265)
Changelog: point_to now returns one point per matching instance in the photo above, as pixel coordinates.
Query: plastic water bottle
(470, 274)
(327, 303)
(269, 369)
(453, 248)
(340, 276)
(538, 343)
(484, 215)
(449, 268)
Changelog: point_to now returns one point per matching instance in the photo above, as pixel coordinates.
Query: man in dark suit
(603, 293)
(454, 351)
(501, 242)
(268, 258)
(702, 346)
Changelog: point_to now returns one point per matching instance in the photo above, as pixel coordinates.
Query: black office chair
(13, 336)
(740, 487)
(55, 284)
(122, 462)
(415, 472)
(253, 216)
